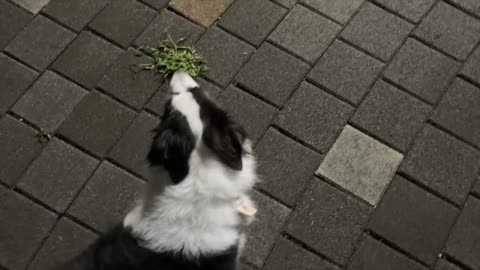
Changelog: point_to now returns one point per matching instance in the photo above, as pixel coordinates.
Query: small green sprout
(43, 135)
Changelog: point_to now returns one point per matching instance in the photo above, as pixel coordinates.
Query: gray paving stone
(86, 59)
(252, 24)
(450, 30)
(314, 116)
(12, 20)
(34, 6)
(252, 113)
(23, 227)
(443, 163)
(374, 255)
(377, 31)
(281, 74)
(126, 80)
(443, 264)
(14, 79)
(471, 5)
(108, 196)
(66, 241)
(57, 174)
(476, 188)
(285, 166)
(286, 3)
(458, 111)
(40, 42)
(156, 4)
(132, 148)
(305, 33)
(413, 10)
(263, 232)
(96, 123)
(225, 55)
(360, 164)
(122, 21)
(413, 219)
(73, 13)
(392, 115)
(339, 10)
(421, 70)
(464, 241)
(329, 220)
(346, 71)
(172, 24)
(19, 147)
(472, 68)
(49, 101)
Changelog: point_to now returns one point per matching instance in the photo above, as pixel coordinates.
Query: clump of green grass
(43, 135)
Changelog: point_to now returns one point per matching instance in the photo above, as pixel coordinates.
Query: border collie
(196, 221)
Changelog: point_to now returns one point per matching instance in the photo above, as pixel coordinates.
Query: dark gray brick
(57, 175)
(66, 241)
(305, 33)
(464, 241)
(252, 24)
(339, 10)
(96, 123)
(108, 196)
(413, 219)
(413, 10)
(286, 3)
(19, 146)
(86, 59)
(285, 166)
(122, 21)
(443, 264)
(132, 149)
(391, 115)
(472, 68)
(126, 80)
(450, 30)
(281, 74)
(421, 70)
(225, 55)
(329, 220)
(263, 232)
(73, 13)
(346, 71)
(314, 116)
(252, 113)
(22, 230)
(458, 111)
(40, 42)
(286, 256)
(442, 163)
(471, 5)
(49, 101)
(12, 20)
(14, 79)
(156, 4)
(476, 188)
(377, 31)
(374, 255)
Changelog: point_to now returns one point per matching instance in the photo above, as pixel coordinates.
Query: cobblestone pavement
(365, 116)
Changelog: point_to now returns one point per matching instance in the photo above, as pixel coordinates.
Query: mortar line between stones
(270, 196)
(21, 7)
(456, 262)
(396, 13)
(435, 48)
(449, 132)
(117, 164)
(295, 138)
(358, 48)
(22, 61)
(375, 137)
(81, 223)
(250, 92)
(330, 92)
(406, 91)
(464, 10)
(325, 16)
(469, 80)
(46, 15)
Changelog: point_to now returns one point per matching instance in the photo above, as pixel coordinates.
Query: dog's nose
(181, 82)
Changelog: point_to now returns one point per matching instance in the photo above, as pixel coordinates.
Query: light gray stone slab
(34, 6)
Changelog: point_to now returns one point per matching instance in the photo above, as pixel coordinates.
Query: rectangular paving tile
(471, 69)
(346, 71)
(360, 164)
(339, 10)
(22, 230)
(286, 3)
(305, 33)
(34, 6)
(421, 70)
(156, 4)
(476, 188)
(57, 174)
(443, 264)
(12, 21)
(377, 31)
(413, 10)
(470, 5)
(413, 219)
(49, 101)
(204, 12)
(73, 13)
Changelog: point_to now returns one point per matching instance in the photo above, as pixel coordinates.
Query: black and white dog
(196, 221)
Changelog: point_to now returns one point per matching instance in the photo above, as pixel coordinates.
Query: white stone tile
(34, 6)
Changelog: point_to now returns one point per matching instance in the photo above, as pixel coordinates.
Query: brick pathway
(365, 115)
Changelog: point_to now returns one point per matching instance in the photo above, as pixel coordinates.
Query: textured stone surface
(476, 188)
(73, 13)
(281, 74)
(49, 101)
(377, 31)
(305, 33)
(57, 174)
(443, 264)
(23, 227)
(204, 12)
(339, 10)
(156, 4)
(421, 70)
(346, 71)
(34, 6)
(332, 229)
(471, 5)
(413, 10)
(12, 20)
(413, 219)
(472, 68)
(443, 163)
(392, 115)
(314, 116)
(360, 164)
(108, 196)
